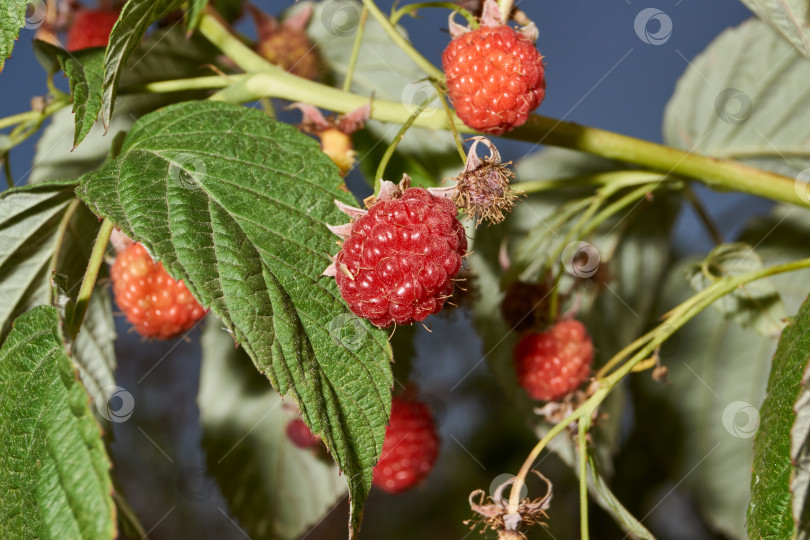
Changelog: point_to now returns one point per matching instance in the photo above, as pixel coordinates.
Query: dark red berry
(410, 449)
(399, 261)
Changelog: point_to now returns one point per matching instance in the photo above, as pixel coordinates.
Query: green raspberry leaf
(236, 204)
(12, 19)
(290, 488)
(125, 38)
(770, 512)
(85, 73)
(54, 471)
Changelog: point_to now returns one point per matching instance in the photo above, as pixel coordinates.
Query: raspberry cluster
(399, 261)
(495, 78)
(552, 364)
(410, 448)
(155, 304)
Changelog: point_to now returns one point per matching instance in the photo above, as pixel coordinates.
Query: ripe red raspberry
(90, 28)
(300, 435)
(410, 449)
(157, 305)
(495, 78)
(400, 258)
(553, 364)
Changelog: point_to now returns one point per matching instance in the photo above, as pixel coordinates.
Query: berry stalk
(90, 276)
(402, 42)
(358, 41)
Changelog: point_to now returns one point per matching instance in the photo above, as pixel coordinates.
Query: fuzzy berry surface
(399, 262)
(495, 78)
(156, 305)
(410, 448)
(300, 435)
(90, 28)
(552, 364)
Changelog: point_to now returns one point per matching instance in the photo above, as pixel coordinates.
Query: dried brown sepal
(483, 190)
(494, 513)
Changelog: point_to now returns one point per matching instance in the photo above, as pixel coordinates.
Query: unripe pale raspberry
(495, 78)
(554, 363)
(399, 261)
(90, 28)
(155, 304)
(410, 448)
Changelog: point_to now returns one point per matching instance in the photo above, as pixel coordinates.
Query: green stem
(244, 57)
(449, 112)
(358, 42)
(393, 146)
(410, 9)
(616, 178)
(90, 276)
(674, 321)
(402, 42)
(716, 173)
(618, 205)
(182, 85)
(582, 440)
(35, 116)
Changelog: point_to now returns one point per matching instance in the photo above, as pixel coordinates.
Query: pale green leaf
(790, 17)
(288, 489)
(745, 102)
(54, 471)
(756, 305)
(236, 204)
